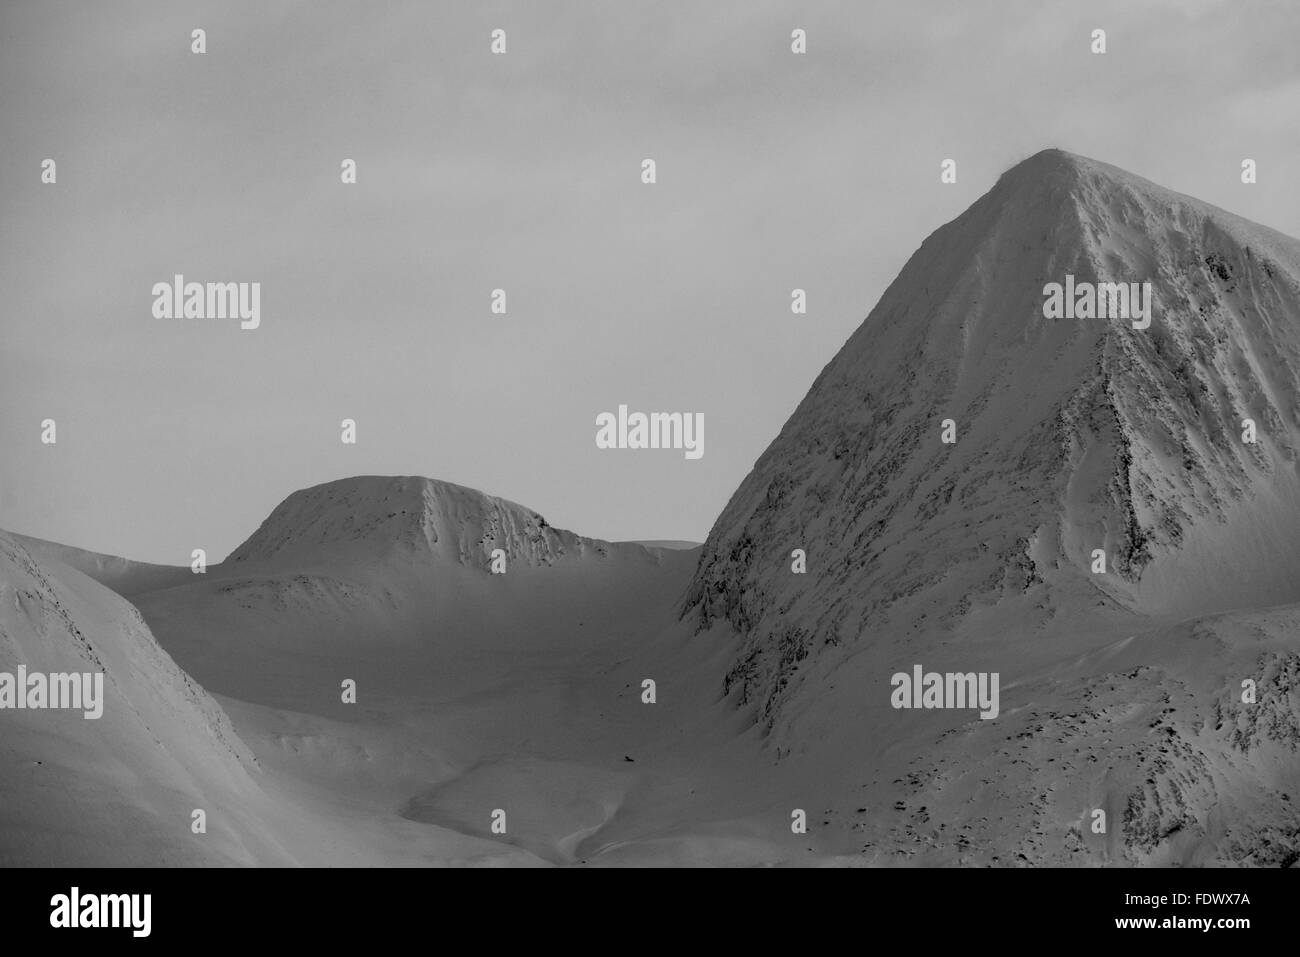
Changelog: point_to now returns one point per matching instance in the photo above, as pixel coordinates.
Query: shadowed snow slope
(1072, 435)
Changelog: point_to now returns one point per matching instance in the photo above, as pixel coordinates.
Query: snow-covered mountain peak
(1072, 432)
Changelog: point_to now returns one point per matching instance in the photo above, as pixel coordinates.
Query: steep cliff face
(1072, 434)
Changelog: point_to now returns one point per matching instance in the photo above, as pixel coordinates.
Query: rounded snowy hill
(402, 517)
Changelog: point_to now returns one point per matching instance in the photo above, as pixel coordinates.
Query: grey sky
(522, 171)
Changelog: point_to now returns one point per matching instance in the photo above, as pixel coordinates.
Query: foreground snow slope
(119, 789)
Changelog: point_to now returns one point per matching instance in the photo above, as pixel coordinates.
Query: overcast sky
(522, 171)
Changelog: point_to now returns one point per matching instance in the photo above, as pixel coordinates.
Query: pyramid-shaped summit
(1071, 435)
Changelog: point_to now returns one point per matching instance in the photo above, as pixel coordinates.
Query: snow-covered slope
(1072, 435)
(119, 789)
(1150, 730)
